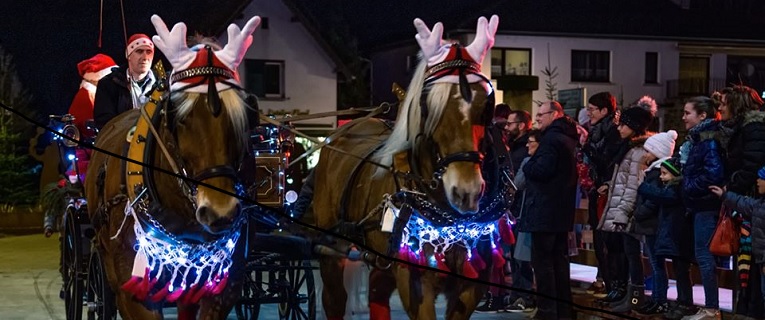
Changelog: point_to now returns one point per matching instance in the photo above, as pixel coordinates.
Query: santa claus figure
(91, 70)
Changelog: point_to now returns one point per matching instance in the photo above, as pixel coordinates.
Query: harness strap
(134, 172)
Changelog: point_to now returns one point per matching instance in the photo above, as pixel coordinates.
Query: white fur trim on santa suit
(95, 76)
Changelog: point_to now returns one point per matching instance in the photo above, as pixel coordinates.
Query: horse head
(442, 119)
(208, 116)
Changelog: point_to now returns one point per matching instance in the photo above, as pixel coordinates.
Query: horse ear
(484, 38)
(238, 42)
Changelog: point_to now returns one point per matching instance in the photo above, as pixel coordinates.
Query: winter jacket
(551, 180)
(519, 154)
(745, 152)
(703, 168)
(753, 209)
(113, 96)
(674, 228)
(622, 191)
(601, 148)
(519, 206)
(646, 210)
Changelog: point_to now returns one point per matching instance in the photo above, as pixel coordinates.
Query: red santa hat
(96, 67)
(136, 41)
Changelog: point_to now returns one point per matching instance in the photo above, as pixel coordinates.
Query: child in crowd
(668, 234)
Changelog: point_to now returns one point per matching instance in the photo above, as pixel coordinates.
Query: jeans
(523, 277)
(634, 259)
(704, 224)
(549, 257)
(659, 274)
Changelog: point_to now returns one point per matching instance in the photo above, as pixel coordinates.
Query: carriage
(192, 233)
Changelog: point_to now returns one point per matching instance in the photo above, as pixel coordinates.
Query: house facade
(287, 68)
(629, 67)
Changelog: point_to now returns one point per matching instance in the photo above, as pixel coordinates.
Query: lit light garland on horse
(177, 267)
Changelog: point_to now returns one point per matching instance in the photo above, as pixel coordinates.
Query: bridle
(210, 74)
(462, 68)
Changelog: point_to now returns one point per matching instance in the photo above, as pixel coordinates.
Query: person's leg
(562, 276)
(659, 273)
(634, 259)
(597, 237)
(543, 246)
(703, 228)
(682, 269)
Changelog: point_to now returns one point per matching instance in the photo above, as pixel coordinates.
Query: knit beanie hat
(661, 145)
(136, 41)
(761, 173)
(640, 115)
(672, 165)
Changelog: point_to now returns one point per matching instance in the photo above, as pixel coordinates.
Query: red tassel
(496, 258)
(468, 271)
(142, 289)
(378, 311)
(403, 254)
(130, 285)
(441, 263)
(201, 292)
(423, 259)
(413, 259)
(221, 285)
(188, 297)
(476, 260)
(505, 232)
(161, 294)
(174, 295)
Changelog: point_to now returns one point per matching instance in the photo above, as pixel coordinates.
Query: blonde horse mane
(236, 108)
(409, 118)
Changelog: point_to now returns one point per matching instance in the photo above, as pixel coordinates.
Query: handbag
(725, 239)
(602, 201)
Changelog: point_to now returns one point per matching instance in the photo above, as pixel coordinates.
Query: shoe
(597, 287)
(705, 314)
(678, 311)
(653, 307)
(520, 305)
(617, 293)
(490, 306)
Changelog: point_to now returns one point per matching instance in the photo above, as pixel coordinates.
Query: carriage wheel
(298, 305)
(101, 300)
(248, 306)
(72, 264)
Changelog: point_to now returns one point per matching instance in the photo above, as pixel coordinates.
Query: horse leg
(130, 309)
(333, 295)
(187, 311)
(417, 292)
(463, 300)
(381, 286)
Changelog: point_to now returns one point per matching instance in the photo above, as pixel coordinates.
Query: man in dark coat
(126, 88)
(551, 178)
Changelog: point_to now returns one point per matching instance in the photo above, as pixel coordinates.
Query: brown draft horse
(443, 128)
(202, 124)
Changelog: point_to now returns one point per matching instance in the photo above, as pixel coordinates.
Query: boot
(622, 306)
(653, 308)
(638, 299)
(618, 292)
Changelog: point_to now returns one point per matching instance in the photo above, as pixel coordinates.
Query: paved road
(30, 284)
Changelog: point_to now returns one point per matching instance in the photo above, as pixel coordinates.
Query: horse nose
(466, 199)
(214, 222)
